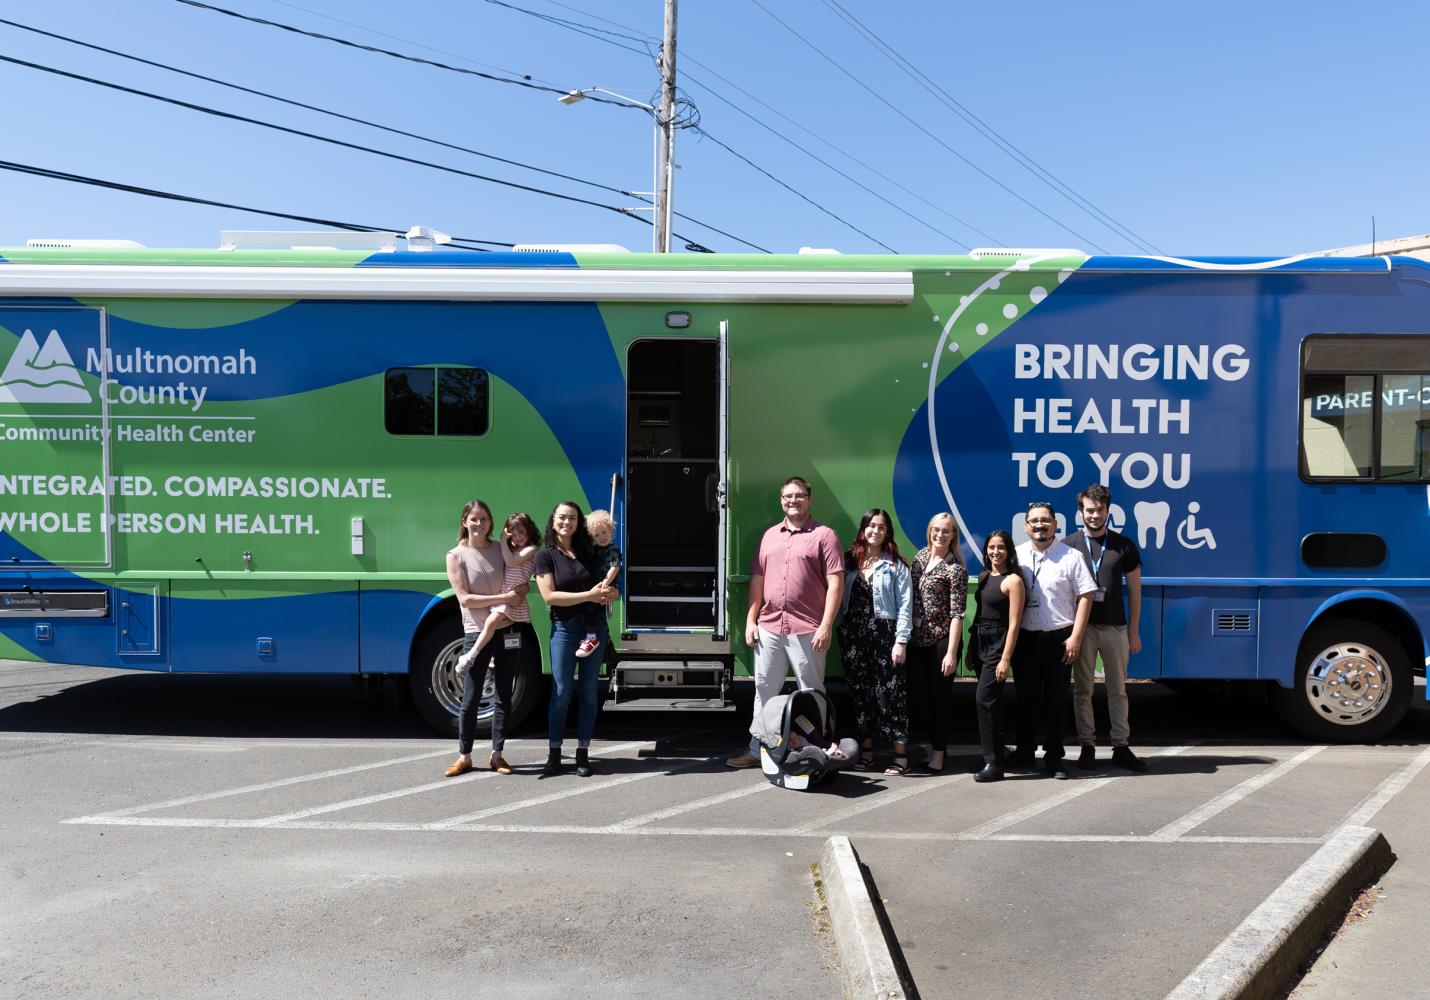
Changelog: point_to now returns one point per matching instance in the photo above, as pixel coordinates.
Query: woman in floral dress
(874, 632)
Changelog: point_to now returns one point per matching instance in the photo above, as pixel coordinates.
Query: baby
(601, 527)
(520, 537)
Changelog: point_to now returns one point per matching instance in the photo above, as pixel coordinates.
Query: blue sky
(1207, 128)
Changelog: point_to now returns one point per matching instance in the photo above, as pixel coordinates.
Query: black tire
(437, 690)
(1352, 683)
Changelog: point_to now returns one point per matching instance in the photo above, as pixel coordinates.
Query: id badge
(1099, 594)
(1032, 601)
(512, 640)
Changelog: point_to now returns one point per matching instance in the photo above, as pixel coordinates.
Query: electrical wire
(1021, 158)
(370, 124)
(515, 81)
(232, 116)
(696, 81)
(914, 122)
(564, 23)
(61, 175)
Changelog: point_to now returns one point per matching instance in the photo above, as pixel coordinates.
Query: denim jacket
(893, 595)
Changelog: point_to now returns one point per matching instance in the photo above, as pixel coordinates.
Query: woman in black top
(1000, 597)
(571, 585)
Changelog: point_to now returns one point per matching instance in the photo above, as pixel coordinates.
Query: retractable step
(670, 683)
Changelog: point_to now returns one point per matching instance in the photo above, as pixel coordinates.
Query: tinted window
(462, 402)
(1337, 425)
(408, 403)
(445, 401)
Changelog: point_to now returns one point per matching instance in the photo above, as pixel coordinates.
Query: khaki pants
(775, 657)
(1110, 641)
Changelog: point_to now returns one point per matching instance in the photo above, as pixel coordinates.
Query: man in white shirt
(1060, 590)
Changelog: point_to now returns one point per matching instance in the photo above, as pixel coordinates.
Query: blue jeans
(566, 635)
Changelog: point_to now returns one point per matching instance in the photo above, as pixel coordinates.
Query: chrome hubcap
(1348, 683)
(447, 685)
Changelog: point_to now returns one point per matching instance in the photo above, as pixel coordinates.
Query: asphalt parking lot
(233, 836)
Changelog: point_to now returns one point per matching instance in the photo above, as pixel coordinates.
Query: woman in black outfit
(1000, 597)
(571, 585)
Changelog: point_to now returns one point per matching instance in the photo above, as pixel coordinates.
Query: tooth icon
(1151, 518)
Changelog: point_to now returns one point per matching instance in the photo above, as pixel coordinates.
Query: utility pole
(666, 122)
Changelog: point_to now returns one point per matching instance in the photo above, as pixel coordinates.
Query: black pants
(1041, 679)
(505, 664)
(930, 692)
(989, 637)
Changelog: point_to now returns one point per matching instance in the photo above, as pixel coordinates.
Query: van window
(443, 401)
(1365, 408)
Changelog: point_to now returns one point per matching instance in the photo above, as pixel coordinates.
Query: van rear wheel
(437, 688)
(1352, 683)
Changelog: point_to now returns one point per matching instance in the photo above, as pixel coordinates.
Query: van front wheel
(1352, 683)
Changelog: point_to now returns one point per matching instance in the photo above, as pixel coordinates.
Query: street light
(661, 173)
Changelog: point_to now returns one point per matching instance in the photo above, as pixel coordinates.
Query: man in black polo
(1111, 632)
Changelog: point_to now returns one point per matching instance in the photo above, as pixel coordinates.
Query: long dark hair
(521, 519)
(580, 541)
(462, 521)
(1012, 561)
(859, 549)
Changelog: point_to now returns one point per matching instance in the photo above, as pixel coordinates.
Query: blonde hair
(954, 548)
(598, 519)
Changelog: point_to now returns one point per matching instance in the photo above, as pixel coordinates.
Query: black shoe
(1021, 760)
(1056, 768)
(1124, 757)
(583, 763)
(989, 772)
(1087, 758)
(553, 763)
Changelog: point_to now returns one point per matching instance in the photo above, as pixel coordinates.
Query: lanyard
(1096, 563)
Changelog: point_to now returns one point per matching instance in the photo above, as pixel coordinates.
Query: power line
(363, 121)
(524, 81)
(232, 116)
(685, 55)
(902, 114)
(61, 175)
(564, 23)
(992, 134)
(409, 41)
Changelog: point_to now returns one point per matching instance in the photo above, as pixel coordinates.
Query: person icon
(1190, 535)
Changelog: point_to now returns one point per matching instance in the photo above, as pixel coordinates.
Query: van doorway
(672, 524)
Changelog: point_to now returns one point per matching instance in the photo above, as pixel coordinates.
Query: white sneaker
(465, 661)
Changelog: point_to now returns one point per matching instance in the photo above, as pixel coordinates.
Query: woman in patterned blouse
(940, 597)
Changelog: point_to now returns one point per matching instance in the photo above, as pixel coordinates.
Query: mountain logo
(47, 374)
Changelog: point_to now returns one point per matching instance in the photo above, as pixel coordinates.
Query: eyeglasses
(789, 497)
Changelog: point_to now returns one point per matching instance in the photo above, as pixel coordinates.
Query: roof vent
(82, 245)
(569, 248)
(977, 252)
(817, 250)
(258, 239)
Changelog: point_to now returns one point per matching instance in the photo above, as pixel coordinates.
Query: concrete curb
(1261, 957)
(870, 971)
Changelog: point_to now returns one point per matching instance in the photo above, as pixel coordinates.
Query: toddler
(601, 527)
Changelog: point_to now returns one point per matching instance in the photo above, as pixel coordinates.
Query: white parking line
(709, 800)
(986, 830)
(667, 831)
(262, 787)
(879, 801)
(1377, 800)
(429, 786)
(540, 800)
(1232, 796)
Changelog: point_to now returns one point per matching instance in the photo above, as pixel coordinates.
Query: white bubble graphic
(1038, 294)
(1010, 310)
(1063, 276)
(981, 329)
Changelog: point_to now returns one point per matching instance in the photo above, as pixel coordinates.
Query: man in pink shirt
(796, 585)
